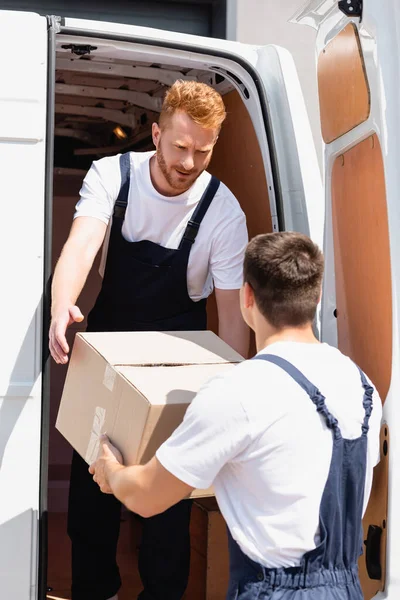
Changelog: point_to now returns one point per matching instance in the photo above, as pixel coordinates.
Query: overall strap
(192, 228)
(313, 392)
(122, 200)
(367, 401)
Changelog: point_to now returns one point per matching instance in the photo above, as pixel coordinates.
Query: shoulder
(107, 165)
(225, 201)
(103, 176)
(110, 165)
(350, 371)
(229, 202)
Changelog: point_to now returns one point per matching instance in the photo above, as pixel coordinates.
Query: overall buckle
(191, 231)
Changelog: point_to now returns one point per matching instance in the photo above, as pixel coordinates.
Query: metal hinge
(351, 8)
(79, 49)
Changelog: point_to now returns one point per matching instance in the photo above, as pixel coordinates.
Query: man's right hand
(60, 321)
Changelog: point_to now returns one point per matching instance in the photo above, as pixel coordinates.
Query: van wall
(237, 161)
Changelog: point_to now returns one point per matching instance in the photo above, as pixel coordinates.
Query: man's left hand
(108, 460)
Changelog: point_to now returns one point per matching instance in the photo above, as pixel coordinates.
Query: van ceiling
(106, 104)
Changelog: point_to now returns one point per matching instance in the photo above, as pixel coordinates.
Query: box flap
(161, 348)
(171, 385)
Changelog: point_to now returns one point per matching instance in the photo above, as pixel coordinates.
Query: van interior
(106, 100)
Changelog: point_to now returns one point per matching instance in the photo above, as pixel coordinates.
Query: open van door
(359, 105)
(23, 159)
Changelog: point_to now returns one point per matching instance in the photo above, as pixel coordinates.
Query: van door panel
(341, 69)
(23, 97)
(357, 304)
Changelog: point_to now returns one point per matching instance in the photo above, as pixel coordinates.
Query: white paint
(268, 22)
(297, 162)
(22, 160)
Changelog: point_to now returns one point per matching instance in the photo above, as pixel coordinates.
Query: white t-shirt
(216, 258)
(256, 436)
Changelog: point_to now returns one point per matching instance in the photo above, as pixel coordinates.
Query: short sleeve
(215, 430)
(100, 190)
(227, 254)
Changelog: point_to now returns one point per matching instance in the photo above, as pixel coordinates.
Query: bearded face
(184, 151)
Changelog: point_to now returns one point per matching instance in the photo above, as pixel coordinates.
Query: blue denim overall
(329, 572)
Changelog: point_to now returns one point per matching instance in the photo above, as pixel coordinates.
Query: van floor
(59, 565)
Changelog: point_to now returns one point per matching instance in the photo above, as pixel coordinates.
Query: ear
(248, 295)
(156, 132)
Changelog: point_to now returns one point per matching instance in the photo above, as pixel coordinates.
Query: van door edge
(53, 28)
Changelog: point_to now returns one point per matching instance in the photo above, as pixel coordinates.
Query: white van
(72, 91)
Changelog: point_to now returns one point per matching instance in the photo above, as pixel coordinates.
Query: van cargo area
(106, 98)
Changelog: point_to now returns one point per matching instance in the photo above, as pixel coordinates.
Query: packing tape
(97, 430)
(109, 377)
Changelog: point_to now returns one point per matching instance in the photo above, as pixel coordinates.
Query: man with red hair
(174, 233)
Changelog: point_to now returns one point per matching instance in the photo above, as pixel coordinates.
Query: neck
(265, 336)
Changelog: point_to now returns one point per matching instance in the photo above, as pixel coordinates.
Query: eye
(180, 147)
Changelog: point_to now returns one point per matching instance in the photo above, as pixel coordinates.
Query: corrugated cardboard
(209, 556)
(136, 387)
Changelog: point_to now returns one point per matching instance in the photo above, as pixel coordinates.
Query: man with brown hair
(174, 233)
(289, 440)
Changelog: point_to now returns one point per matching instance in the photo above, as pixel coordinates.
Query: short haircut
(285, 271)
(201, 102)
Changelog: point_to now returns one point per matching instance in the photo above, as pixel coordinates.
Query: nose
(188, 162)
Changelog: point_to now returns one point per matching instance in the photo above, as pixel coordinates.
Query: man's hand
(109, 460)
(60, 321)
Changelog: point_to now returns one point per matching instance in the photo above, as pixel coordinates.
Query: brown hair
(201, 102)
(285, 271)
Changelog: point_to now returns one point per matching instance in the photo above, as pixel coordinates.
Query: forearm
(231, 327)
(236, 333)
(127, 486)
(70, 275)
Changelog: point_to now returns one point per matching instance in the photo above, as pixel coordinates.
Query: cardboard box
(209, 556)
(136, 387)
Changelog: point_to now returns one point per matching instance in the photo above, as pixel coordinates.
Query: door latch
(351, 8)
(79, 49)
(373, 552)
